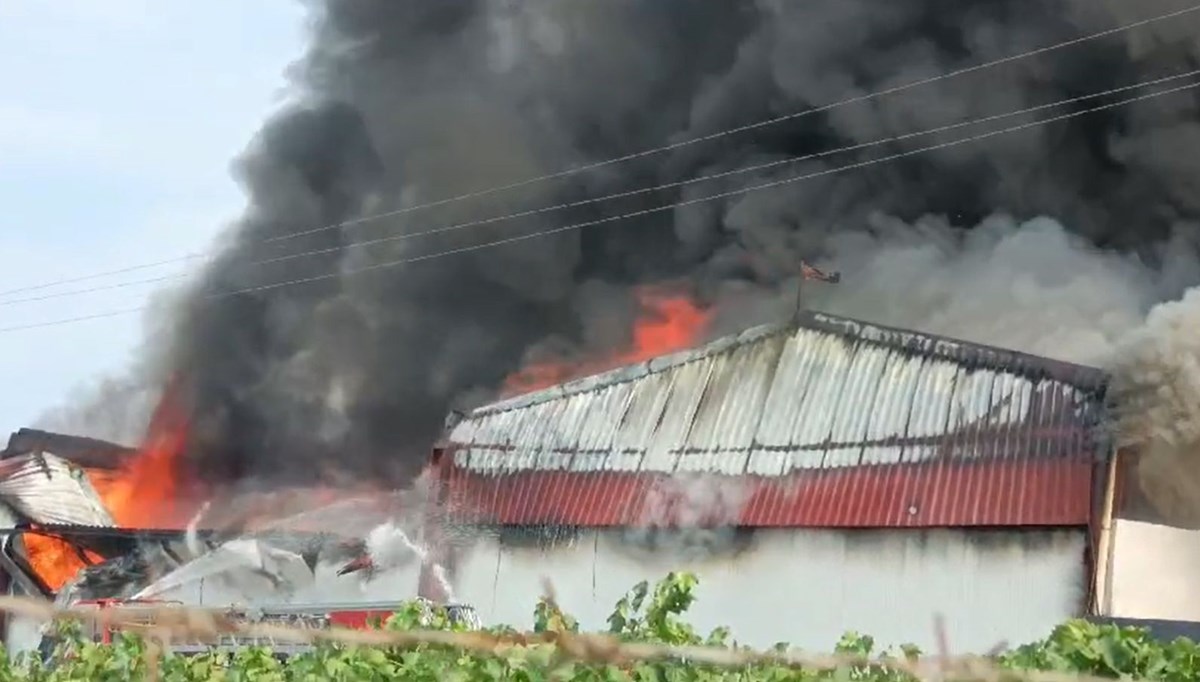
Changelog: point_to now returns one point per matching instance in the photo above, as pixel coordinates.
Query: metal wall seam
(662, 449)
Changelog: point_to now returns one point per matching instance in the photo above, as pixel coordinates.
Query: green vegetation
(642, 625)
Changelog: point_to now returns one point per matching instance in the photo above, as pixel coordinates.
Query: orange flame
(150, 490)
(54, 560)
(146, 491)
(669, 322)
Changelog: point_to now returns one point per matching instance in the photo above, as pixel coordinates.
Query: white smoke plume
(1156, 392)
(1030, 286)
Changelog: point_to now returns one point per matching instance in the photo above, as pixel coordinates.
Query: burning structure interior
(61, 538)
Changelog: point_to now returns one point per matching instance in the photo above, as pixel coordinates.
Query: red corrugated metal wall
(1021, 492)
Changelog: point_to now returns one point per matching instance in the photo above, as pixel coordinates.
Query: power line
(620, 195)
(625, 216)
(636, 155)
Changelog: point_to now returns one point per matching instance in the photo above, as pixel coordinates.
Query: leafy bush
(644, 616)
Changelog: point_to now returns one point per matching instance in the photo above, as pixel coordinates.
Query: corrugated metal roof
(85, 452)
(987, 435)
(49, 490)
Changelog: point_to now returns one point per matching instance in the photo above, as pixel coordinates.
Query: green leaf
(647, 613)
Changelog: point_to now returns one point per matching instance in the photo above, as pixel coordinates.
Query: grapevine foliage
(647, 614)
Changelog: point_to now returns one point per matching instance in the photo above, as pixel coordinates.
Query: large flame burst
(668, 322)
(152, 490)
(148, 490)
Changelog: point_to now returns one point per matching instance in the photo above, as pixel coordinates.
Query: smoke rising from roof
(408, 101)
(1157, 389)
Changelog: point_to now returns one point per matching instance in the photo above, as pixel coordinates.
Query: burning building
(303, 358)
(331, 330)
(83, 520)
(866, 476)
(852, 475)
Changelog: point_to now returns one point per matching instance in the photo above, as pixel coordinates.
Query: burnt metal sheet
(47, 489)
(85, 452)
(853, 420)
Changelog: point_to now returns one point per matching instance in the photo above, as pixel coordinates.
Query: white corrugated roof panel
(823, 393)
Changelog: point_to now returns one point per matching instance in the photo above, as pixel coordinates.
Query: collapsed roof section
(45, 492)
(824, 422)
(134, 558)
(47, 489)
(89, 453)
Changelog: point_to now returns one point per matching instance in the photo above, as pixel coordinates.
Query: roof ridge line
(923, 343)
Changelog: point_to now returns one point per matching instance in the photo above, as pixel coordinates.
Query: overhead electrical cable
(637, 155)
(618, 195)
(625, 216)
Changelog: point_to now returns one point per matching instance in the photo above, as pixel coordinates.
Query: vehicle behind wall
(355, 616)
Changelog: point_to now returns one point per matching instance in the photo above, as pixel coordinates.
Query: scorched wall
(805, 587)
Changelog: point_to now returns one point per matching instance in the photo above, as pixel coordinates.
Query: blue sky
(118, 123)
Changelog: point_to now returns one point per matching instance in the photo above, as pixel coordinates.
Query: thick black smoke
(402, 102)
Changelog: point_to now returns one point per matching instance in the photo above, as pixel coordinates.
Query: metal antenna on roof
(809, 272)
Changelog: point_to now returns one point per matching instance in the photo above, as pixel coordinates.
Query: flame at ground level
(54, 560)
(667, 323)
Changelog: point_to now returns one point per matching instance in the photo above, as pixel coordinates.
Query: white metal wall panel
(1153, 572)
(819, 583)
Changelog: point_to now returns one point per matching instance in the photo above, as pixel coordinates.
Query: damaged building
(851, 476)
(870, 478)
(867, 477)
(44, 494)
(44, 485)
(59, 542)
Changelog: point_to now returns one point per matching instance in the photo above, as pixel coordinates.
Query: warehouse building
(819, 476)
